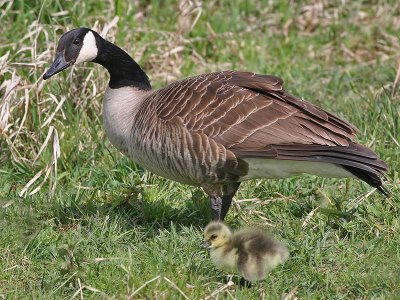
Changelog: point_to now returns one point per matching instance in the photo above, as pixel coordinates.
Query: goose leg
(216, 203)
(221, 198)
(229, 190)
(214, 191)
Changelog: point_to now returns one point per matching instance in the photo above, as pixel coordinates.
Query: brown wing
(250, 115)
(247, 111)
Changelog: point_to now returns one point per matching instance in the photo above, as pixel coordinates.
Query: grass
(105, 228)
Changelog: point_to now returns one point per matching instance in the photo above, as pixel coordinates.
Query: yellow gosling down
(250, 252)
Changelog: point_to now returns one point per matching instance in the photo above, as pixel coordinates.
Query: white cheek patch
(89, 49)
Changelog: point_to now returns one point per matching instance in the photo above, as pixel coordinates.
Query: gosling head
(75, 46)
(216, 234)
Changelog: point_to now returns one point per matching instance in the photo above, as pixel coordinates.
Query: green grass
(111, 226)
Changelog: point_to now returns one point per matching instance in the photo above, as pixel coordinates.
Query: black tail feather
(371, 178)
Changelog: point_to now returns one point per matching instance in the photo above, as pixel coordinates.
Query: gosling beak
(205, 245)
(58, 65)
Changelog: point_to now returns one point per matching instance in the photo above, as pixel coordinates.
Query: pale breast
(119, 109)
(225, 260)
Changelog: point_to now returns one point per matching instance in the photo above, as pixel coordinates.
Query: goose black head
(75, 46)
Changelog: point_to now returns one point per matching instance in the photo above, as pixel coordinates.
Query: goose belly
(164, 159)
(168, 150)
(277, 169)
(160, 165)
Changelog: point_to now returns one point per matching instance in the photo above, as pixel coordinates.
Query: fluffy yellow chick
(250, 252)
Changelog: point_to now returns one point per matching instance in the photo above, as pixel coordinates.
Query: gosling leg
(243, 283)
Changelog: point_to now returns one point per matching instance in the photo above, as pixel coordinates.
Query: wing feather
(250, 115)
(243, 110)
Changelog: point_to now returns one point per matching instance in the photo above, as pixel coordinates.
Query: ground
(79, 220)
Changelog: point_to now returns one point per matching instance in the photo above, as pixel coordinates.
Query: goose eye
(213, 237)
(77, 41)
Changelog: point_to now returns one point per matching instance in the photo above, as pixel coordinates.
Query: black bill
(205, 245)
(58, 65)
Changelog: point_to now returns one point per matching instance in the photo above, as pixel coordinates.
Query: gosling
(250, 252)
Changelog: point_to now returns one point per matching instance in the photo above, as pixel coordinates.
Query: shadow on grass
(134, 212)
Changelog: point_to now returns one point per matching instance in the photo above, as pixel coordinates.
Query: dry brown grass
(27, 143)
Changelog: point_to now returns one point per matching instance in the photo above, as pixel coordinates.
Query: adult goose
(216, 130)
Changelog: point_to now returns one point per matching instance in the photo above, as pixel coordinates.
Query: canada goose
(216, 130)
(250, 252)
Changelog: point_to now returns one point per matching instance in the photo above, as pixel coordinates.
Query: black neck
(124, 71)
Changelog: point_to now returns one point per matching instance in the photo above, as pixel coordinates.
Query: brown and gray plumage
(219, 129)
(250, 252)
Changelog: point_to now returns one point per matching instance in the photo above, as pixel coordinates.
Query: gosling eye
(213, 237)
(77, 41)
